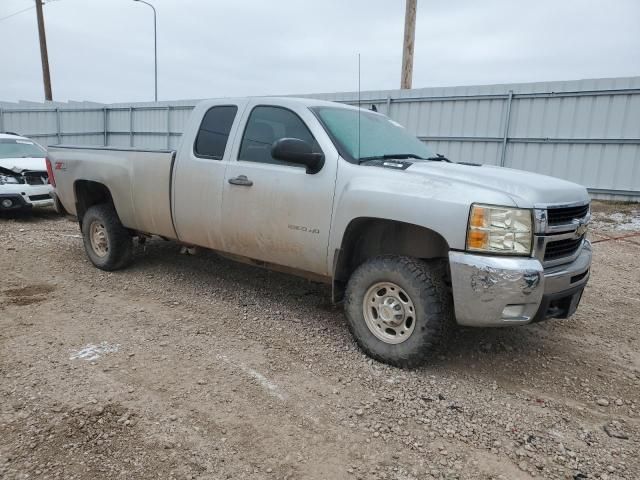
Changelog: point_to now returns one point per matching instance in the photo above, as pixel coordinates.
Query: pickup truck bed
(140, 182)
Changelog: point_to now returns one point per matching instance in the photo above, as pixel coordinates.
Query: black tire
(119, 252)
(426, 287)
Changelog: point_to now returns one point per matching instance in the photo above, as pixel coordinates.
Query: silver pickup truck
(411, 242)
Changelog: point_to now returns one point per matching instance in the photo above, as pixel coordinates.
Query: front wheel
(398, 309)
(107, 242)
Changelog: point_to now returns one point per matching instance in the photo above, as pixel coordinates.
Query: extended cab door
(272, 210)
(198, 178)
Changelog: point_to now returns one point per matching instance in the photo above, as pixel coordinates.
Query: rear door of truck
(198, 179)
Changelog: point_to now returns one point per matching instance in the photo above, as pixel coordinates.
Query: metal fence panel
(93, 139)
(80, 121)
(587, 131)
(118, 120)
(31, 123)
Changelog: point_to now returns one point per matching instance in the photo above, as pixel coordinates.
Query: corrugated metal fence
(140, 125)
(587, 131)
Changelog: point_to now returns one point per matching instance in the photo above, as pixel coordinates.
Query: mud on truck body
(411, 242)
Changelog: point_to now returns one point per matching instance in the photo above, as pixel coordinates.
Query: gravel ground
(196, 367)
(616, 216)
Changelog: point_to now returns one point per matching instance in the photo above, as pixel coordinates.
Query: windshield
(379, 135)
(20, 148)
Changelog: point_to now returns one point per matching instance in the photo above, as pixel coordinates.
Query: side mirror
(294, 150)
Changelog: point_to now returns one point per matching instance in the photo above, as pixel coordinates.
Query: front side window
(20, 148)
(213, 134)
(362, 135)
(265, 126)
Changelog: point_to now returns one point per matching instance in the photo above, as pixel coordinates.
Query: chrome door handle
(241, 180)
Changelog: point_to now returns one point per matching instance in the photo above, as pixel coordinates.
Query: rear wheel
(107, 242)
(398, 309)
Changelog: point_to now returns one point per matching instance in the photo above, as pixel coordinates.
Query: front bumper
(26, 196)
(12, 202)
(491, 291)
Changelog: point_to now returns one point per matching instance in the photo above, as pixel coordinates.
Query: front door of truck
(274, 211)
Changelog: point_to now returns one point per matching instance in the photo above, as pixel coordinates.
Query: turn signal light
(477, 239)
(478, 216)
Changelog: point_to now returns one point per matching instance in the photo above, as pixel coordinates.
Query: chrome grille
(560, 233)
(562, 248)
(566, 215)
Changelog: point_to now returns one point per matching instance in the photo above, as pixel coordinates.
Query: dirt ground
(197, 367)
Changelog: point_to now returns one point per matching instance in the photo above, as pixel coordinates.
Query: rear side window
(265, 126)
(213, 134)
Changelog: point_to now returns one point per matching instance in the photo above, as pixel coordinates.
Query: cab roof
(283, 101)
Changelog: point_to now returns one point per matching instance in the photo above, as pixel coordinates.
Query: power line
(25, 10)
(17, 13)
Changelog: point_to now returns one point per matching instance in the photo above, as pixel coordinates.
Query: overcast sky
(102, 50)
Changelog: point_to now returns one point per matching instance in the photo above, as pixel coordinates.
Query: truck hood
(526, 189)
(21, 165)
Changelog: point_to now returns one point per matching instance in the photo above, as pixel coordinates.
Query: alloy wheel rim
(389, 312)
(99, 240)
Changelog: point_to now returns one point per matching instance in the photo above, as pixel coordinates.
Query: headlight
(5, 179)
(501, 230)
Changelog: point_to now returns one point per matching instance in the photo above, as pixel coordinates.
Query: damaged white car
(24, 182)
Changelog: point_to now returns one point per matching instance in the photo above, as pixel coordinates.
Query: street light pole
(155, 45)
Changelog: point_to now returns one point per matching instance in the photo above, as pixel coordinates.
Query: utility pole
(409, 41)
(43, 52)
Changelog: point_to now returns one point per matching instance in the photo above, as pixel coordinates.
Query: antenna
(359, 108)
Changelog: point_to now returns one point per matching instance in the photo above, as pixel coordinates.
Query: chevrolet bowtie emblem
(582, 229)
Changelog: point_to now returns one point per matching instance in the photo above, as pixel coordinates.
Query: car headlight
(5, 179)
(501, 230)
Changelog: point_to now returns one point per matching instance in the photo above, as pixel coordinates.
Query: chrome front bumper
(491, 291)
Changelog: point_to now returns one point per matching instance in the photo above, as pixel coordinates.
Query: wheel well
(88, 194)
(365, 238)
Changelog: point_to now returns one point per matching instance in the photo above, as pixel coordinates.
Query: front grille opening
(39, 197)
(580, 276)
(36, 178)
(559, 308)
(562, 248)
(565, 215)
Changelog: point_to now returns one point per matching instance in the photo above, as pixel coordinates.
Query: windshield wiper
(439, 158)
(390, 156)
